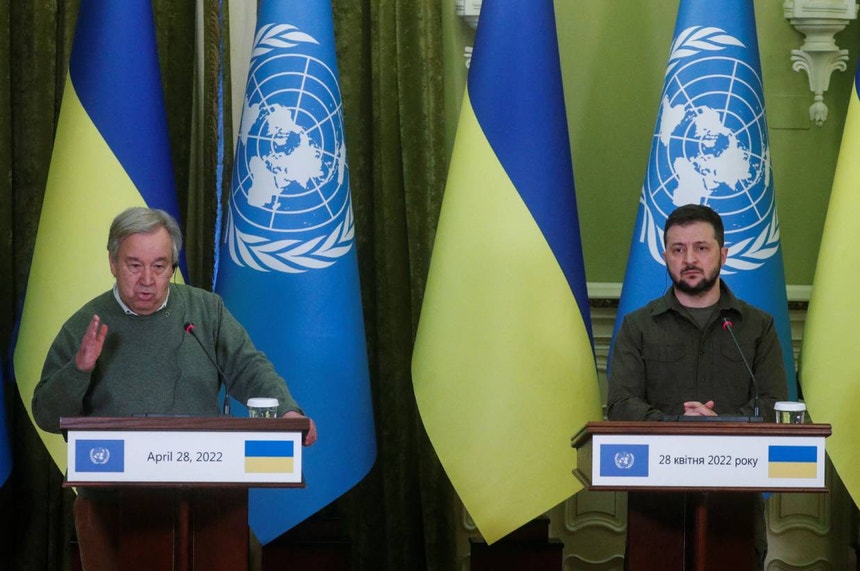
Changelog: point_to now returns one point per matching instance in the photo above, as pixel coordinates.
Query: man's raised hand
(91, 345)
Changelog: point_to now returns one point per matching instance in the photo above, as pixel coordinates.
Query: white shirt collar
(127, 309)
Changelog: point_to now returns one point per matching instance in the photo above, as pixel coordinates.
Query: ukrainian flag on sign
(503, 366)
(792, 461)
(111, 152)
(269, 456)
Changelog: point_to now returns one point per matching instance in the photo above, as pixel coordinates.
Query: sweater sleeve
(62, 388)
(249, 372)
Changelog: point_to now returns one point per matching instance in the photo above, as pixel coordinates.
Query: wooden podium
(182, 482)
(694, 488)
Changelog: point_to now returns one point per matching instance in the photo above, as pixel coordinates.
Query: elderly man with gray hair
(126, 352)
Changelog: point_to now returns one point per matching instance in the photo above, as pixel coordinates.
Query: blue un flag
(711, 147)
(288, 268)
(624, 460)
(100, 455)
(5, 445)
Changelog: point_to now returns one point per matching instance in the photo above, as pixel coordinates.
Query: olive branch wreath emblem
(752, 252)
(289, 255)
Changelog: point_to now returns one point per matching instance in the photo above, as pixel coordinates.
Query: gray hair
(141, 220)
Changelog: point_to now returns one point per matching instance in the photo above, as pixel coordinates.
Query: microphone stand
(190, 329)
(727, 325)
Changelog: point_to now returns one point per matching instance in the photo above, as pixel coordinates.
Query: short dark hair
(690, 213)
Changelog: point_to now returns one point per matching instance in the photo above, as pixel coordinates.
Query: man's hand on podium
(695, 408)
(311, 436)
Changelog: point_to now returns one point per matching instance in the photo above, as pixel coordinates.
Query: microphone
(727, 325)
(189, 328)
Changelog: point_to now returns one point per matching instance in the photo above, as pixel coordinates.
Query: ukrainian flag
(503, 366)
(111, 152)
(269, 456)
(792, 461)
(829, 363)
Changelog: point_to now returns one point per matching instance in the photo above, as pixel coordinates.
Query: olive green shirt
(662, 358)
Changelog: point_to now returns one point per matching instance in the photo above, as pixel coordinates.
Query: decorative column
(819, 21)
(469, 10)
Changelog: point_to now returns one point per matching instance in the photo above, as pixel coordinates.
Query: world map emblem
(711, 147)
(624, 460)
(99, 456)
(290, 207)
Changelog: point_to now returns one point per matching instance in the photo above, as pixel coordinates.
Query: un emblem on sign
(624, 460)
(290, 208)
(711, 148)
(99, 456)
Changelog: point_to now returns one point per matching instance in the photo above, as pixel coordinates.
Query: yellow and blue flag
(710, 146)
(503, 366)
(269, 456)
(288, 268)
(111, 152)
(829, 366)
(792, 461)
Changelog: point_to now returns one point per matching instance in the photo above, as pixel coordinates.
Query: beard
(706, 284)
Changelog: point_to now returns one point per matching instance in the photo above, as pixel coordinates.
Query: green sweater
(149, 364)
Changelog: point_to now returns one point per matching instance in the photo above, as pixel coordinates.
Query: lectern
(693, 485)
(183, 482)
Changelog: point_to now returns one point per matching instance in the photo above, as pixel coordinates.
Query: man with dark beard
(672, 356)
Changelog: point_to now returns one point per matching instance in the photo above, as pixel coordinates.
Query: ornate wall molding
(607, 510)
(605, 293)
(469, 10)
(819, 56)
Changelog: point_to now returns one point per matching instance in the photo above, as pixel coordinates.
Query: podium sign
(693, 487)
(164, 451)
(701, 456)
(161, 456)
(182, 482)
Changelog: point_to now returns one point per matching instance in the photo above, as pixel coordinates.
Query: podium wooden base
(702, 531)
(186, 529)
(694, 497)
(181, 485)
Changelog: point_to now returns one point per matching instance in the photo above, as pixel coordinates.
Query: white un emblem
(290, 207)
(624, 460)
(710, 147)
(99, 456)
